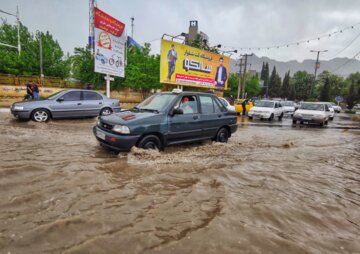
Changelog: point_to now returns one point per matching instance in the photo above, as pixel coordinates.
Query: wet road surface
(272, 189)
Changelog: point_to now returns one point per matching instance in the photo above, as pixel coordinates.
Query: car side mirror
(177, 111)
(60, 99)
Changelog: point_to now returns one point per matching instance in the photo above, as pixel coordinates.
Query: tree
(274, 84)
(233, 83)
(252, 87)
(351, 96)
(325, 91)
(302, 82)
(265, 77)
(285, 88)
(28, 63)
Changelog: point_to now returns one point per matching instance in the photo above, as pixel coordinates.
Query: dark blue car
(165, 119)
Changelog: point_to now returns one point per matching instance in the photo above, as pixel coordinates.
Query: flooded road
(271, 189)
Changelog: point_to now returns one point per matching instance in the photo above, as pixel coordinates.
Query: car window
(207, 104)
(326, 107)
(188, 104)
(91, 96)
(72, 96)
(219, 107)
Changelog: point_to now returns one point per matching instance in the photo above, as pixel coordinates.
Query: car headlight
(98, 122)
(121, 129)
(18, 107)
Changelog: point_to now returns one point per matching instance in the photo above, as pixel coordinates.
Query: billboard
(110, 42)
(187, 66)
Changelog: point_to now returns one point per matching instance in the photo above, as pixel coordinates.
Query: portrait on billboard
(171, 57)
(221, 74)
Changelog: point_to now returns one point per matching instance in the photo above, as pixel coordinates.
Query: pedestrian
(29, 92)
(231, 100)
(243, 104)
(35, 90)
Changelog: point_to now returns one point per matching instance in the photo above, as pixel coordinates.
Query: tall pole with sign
(110, 41)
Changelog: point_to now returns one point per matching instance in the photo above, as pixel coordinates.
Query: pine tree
(274, 84)
(286, 85)
(265, 76)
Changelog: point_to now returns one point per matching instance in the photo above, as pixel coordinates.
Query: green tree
(285, 88)
(274, 84)
(28, 63)
(325, 91)
(265, 77)
(252, 87)
(233, 83)
(351, 96)
(302, 82)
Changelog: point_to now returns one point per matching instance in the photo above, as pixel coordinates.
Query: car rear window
(92, 96)
(72, 96)
(207, 104)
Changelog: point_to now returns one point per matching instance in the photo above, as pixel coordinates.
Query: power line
(297, 43)
(348, 61)
(352, 41)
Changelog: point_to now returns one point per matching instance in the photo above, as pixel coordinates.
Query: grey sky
(228, 22)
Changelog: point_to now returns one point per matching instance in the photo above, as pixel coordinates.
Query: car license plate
(307, 118)
(100, 134)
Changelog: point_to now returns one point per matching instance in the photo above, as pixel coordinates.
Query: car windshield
(312, 106)
(287, 103)
(265, 104)
(156, 102)
(53, 96)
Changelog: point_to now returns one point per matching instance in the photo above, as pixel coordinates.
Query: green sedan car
(166, 119)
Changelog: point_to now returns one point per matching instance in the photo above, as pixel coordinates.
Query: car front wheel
(40, 115)
(271, 117)
(222, 135)
(105, 111)
(150, 142)
(281, 116)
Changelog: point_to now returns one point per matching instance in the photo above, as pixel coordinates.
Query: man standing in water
(171, 57)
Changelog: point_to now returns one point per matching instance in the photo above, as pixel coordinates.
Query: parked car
(266, 110)
(312, 112)
(227, 104)
(166, 119)
(337, 108)
(289, 107)
(66, 104)
(239, 107)
(331, 112)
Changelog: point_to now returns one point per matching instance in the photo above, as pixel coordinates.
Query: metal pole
(91, 27)
(18, 28)
(239, 84)
(107, 85)
(41, 58)
(244, 76)
(132, 27)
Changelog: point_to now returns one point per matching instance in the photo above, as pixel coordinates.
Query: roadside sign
(339, 98)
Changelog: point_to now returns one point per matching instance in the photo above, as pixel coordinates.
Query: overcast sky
(232, 23)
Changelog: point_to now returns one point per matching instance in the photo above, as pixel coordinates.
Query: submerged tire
(222, 136)
(40, 115)
(150, 142)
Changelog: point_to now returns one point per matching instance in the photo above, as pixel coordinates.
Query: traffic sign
(339, 98)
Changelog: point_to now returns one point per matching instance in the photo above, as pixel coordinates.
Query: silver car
(66, 104)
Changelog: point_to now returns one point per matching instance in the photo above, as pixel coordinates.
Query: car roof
(188, 93)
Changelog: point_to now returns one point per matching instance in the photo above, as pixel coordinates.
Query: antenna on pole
(132, 27)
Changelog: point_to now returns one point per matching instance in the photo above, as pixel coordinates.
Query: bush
(350, 111)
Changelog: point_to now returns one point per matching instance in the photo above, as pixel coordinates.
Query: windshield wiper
(150, 110)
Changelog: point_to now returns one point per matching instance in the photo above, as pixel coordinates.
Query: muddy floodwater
(271, 189)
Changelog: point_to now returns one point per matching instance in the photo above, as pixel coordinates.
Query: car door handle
(219, 115)
(195, 117)
(100, 102)
(79, 103)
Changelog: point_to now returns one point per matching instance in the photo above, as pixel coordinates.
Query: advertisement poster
(110, 42)
(187, 66)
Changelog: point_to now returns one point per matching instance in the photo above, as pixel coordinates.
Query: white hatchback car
(266, 110)
(227, 104)
(312, 112)
(332, 110)
(289, 107)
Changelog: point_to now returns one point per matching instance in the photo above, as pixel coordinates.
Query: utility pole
(239, 85)
(132, 27)
(244, 75)
(317, 66)
(41, 59)
(91, 27)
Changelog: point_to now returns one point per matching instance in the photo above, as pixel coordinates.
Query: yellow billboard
(187, 66)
